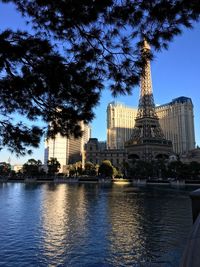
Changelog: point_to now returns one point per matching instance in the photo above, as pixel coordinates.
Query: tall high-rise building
(67, 150)
(57, 148)
(120, 123)
(177, 121)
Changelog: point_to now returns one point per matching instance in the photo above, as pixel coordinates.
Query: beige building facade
(120, 124)
(67, 150)
(96, 154)
(176, 120)
(190, 156)
(57, 148)
(18, 168)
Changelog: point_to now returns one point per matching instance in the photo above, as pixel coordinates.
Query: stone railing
(191, 256)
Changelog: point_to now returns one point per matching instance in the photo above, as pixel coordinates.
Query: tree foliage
(56, 72)
(106, 169)
(163, 169)
(75, 169)
(90, 168)
(5, 168)
(32, 167)
(53, 166)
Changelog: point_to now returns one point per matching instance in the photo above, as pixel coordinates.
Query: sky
(175, 72)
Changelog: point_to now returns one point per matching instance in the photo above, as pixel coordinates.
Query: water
(92, 225)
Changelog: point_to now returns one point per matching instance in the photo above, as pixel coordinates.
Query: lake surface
(92, 225)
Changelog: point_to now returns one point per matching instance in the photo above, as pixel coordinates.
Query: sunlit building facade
(120, 124)
(67, 150)
(176, 120)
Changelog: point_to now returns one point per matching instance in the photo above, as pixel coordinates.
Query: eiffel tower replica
(147, 142)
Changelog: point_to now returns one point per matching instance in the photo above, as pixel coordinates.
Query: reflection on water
(54, 222)
(149, 226)
(63, 215)
(92, 225)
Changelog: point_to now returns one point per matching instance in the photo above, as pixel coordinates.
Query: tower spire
(146, 105)
(147, 140)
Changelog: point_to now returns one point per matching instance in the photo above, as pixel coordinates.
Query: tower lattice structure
(147, 141)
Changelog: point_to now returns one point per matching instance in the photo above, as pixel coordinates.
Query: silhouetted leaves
(57, 74)
(32, 167)
(53, 166)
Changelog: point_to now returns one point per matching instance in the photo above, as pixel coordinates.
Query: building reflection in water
(63, 218)
(125, 235)
(147, 226)
(93, 225)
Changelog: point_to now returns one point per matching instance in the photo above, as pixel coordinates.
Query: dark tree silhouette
(57, 72)
(53, 166)
(106, 169)
(5, 168)
(32, 167)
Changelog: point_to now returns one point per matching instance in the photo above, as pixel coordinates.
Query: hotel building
(120, 124)
(176, 119)
(67, 150)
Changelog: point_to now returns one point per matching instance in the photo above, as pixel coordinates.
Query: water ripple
(92, 225)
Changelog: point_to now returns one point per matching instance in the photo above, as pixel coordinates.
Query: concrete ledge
(191, 256)
(195, 193)
(195, 197)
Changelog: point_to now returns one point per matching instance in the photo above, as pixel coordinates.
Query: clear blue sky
(175, 72)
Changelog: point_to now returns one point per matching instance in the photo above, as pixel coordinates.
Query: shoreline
(95, 181)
